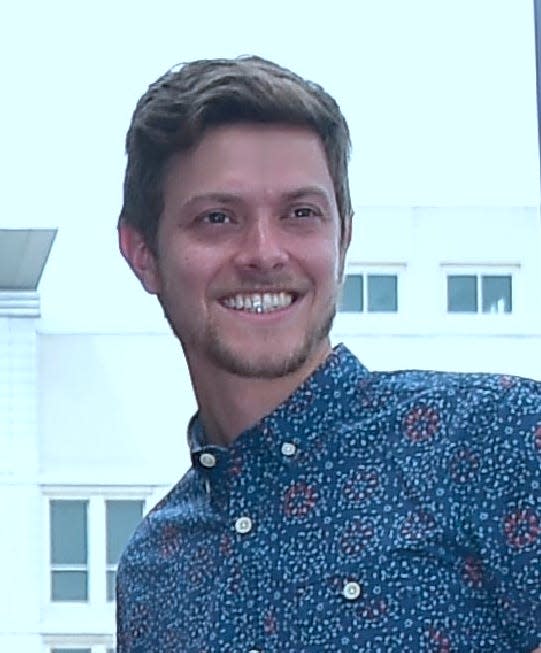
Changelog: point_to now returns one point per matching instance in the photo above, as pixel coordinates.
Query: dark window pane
(68, 532)
(69, 586)
(382, 292)
(352, 293)
(122, 519)
(462, 294)
(496, 294)
(111, 580)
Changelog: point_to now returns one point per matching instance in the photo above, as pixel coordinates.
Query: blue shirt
(371, 511)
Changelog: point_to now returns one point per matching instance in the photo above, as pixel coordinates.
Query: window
(121, 517)
(71, 650)
(86, 539)
(69, 550)
(374, 293)
(469, 293)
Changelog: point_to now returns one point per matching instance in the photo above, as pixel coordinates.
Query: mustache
(267, 285)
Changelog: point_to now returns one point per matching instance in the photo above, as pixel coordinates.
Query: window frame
(96, 643)
(395, 270)
(109, 566)
(96, 567)
(479, 271)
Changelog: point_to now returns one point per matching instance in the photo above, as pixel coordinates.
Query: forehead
(251, 158)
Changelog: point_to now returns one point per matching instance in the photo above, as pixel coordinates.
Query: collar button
(208, 460)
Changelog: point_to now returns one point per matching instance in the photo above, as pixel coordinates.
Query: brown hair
(174, 113)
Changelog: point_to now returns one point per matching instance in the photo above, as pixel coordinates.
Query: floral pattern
(403, 515)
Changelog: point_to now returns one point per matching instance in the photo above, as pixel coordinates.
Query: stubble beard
(227, 358)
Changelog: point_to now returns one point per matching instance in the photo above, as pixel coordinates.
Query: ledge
(22, 303)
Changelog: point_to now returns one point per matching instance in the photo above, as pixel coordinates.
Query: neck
(230, 404)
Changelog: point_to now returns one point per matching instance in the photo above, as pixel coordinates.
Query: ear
(139, 257)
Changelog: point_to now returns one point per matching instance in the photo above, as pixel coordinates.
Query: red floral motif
(236, 466)
(299, 500)
(270, 625)
(417, 525)
(537, 437)
(440, 642)
(226, 545)
(170, 541)
(421, 423)
(507, 381)
(356, 536)
(521, 527)
(464, 466)
(473, 571)
(361, 485)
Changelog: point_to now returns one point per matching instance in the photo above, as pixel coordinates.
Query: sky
(439, 95)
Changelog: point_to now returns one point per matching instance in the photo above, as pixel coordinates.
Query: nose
(263, 246)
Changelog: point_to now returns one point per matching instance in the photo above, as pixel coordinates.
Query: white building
(92, 425)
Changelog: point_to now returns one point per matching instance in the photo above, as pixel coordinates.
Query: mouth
(266, 302)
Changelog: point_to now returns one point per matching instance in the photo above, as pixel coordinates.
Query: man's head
(237, 213)
(175, 112)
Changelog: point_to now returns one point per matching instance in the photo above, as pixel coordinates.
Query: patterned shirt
(371, 511)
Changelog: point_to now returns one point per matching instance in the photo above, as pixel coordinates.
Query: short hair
(176, 110)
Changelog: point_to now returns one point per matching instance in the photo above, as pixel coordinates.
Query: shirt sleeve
(507, 511)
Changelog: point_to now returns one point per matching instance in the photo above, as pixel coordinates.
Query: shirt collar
(339, 376)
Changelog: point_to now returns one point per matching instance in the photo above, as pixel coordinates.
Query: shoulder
(161, 519)
(441, 414)
(494, 396)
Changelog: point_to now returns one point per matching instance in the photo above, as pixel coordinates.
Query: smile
(259, 302)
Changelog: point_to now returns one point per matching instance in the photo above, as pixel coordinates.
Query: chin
(255, 360)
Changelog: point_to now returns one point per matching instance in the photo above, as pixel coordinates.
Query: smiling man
(328, 508)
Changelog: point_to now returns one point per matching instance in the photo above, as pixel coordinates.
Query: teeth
(268, 301)
(257, 302)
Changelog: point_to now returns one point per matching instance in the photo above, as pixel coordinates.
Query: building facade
(92, 425)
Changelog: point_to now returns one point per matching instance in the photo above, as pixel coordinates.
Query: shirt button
(351, 591)
(207, 459)
(288, 449)
(243, 525)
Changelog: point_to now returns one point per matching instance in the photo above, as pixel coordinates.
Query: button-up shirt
(371, 511)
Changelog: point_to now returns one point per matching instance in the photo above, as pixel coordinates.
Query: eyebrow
(231, 198)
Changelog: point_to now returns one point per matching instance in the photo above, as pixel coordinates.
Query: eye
(304, 212)
(216, 217)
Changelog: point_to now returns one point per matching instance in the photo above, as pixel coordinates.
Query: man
(328, 508)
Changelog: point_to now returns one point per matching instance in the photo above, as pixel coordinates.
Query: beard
(271, 366)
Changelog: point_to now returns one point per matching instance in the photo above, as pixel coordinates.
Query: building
(92, 425)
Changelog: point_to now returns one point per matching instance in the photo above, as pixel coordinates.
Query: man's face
(248, 251)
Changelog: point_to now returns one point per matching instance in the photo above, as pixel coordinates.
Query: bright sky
(439, 94)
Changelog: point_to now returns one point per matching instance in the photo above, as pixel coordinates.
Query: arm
(507, 512)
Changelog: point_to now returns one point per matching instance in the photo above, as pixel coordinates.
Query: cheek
(325, 267)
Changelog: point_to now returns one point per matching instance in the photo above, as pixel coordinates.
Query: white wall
(113, 408)
(22, 535)
(96, 414)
